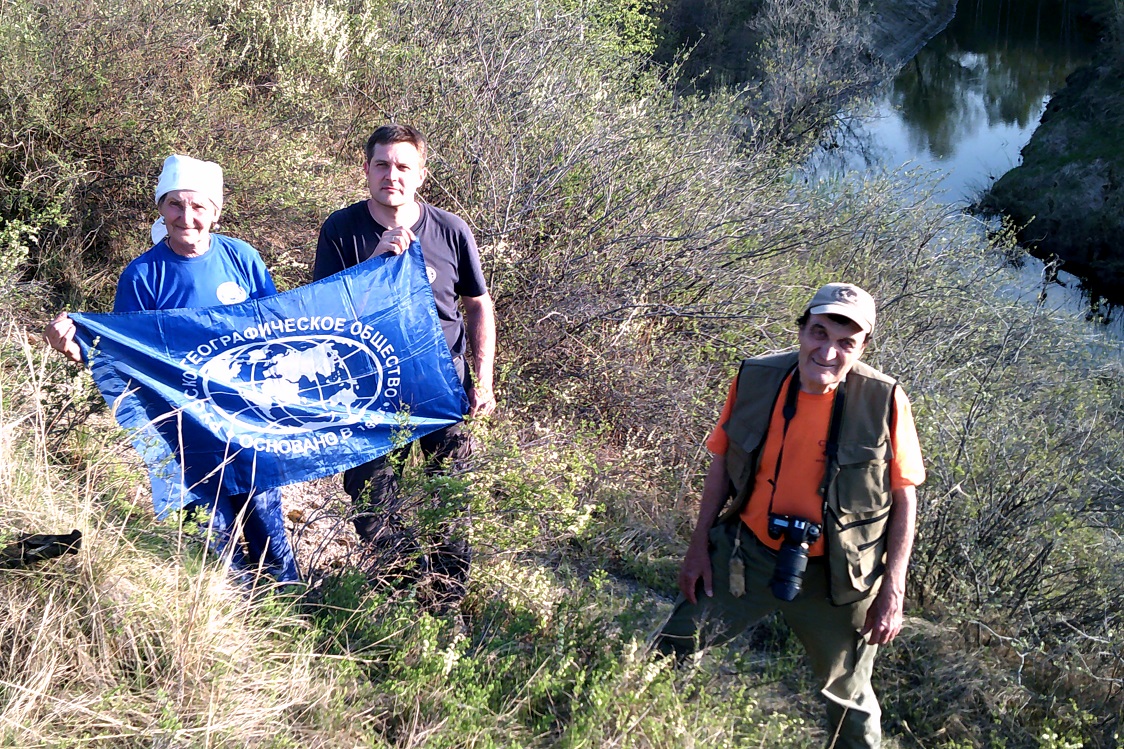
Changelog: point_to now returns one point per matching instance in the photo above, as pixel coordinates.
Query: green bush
(639, 241)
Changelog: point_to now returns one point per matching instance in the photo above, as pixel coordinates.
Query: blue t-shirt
(231, 271)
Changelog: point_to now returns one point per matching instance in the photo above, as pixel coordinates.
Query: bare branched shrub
(96, 97)
(814, 62)
(639, 242)
(623, 227)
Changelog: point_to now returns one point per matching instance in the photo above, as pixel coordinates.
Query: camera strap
(831, 449)
(789, 413)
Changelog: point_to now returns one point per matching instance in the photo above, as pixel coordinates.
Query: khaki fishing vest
(857, 487)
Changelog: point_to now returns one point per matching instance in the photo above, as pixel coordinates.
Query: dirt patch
(318, 518)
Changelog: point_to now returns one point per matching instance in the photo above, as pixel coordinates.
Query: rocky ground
(318, 520)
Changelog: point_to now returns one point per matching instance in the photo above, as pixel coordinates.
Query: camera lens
(788, 573)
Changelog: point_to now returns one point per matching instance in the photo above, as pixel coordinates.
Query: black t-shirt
(452, 261)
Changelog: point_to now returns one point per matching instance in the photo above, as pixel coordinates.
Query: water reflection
(964, 107)
(991, 68)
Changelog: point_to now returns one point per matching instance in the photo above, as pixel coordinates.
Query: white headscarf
(185, 173)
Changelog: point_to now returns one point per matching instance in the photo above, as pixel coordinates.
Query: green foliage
(546, 662)
(1069, 731)
(534, 497)
(639, 241)
(16, 239)
(625, 27)
(814, 61)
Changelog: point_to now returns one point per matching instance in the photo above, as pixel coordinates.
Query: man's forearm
(480, 322)
(899, 537)
(696, 565)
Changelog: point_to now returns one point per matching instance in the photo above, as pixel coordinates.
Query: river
(964, 107)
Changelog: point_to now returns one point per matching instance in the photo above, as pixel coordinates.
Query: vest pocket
(856, 556)
(739, 456)
(855, 517)
(862, 483)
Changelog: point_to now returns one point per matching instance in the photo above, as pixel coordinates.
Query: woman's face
(189, 217)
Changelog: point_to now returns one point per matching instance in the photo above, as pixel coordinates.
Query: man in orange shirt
(820, 454)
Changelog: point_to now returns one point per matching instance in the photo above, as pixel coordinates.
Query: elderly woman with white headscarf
(189, 266)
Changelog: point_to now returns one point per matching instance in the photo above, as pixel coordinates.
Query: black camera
(792, 559)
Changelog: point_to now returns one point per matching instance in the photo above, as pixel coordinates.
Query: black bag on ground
(31, 548)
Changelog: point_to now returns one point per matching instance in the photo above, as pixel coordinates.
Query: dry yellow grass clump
(133, 641)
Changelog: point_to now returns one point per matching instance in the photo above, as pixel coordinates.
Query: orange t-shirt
(803, 464)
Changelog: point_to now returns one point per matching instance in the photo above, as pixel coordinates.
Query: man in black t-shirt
(389, 221)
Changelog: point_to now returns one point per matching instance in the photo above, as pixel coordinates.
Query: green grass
(638, 241)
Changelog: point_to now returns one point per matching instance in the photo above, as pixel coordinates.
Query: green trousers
(842, 661)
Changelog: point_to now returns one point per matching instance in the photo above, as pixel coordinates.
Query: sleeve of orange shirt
(907, 467)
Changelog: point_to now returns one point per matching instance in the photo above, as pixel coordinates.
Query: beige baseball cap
(844, 299)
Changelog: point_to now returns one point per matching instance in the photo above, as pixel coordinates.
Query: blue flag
(272, 391)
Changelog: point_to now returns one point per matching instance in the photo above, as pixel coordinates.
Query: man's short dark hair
(395, 133)
(840, 319)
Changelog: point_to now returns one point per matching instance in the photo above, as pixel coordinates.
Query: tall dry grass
(135, 641)
(638, 244)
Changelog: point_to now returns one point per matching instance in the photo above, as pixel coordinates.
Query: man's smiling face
(829, 346)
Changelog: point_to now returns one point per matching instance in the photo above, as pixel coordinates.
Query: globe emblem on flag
(294, 384)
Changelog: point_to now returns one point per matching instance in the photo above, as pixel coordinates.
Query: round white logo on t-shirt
(430, 273)
(230, 292)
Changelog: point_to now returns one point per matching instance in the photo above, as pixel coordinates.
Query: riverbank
(638, 247)
(1067, 197)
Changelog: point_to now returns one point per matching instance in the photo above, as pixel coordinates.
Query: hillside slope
(639, 242)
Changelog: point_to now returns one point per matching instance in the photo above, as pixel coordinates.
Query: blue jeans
(258, 519)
